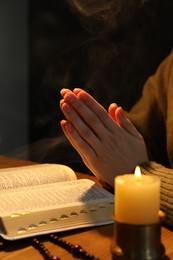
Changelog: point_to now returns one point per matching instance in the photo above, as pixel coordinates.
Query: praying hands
(107, 142)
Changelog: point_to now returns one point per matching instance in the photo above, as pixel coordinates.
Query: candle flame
(137, 172)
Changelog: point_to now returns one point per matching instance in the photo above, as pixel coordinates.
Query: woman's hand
(108, 143)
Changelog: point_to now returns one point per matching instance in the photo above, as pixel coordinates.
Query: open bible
(45, 198)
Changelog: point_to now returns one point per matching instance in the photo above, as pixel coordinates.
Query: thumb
(125, 123)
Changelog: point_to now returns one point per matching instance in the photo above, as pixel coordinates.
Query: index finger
(97, 108)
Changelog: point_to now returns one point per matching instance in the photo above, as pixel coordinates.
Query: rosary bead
(54, 258)
(46, 253)
(90, 257)
(54, 237)
(36, 243)
(76, 250)
(42, 246)
(60, 242)
(67, 246)
(2, 244)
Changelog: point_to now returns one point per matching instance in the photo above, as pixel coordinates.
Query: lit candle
(137, 198)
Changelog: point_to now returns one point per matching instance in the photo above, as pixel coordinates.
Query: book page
(34, 175)
(50, 196)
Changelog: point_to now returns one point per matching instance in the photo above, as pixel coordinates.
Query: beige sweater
(153, 117)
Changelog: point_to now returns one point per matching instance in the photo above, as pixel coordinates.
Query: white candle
(137, 198)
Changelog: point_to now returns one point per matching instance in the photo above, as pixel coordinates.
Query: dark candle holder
(138, 242)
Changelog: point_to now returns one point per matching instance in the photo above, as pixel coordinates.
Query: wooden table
(95, 240)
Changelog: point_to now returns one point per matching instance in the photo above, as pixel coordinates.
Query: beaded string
(76, 250)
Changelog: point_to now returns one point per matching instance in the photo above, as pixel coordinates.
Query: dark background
(43, 48)
(14, 71)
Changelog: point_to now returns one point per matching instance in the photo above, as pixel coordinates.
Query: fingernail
(77, 89)
(122, 114)
(62, 90)
(69, 127)
(61, 102)
(66, 107)
(69, 97)
(83, 96)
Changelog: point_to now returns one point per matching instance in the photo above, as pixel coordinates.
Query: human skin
(107, 142)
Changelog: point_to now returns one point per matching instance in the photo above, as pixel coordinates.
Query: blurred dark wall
(13, 74)
(112, 67)
(44, 48)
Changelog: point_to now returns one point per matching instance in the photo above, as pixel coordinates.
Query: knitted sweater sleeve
(153, 117)
(166, 192)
